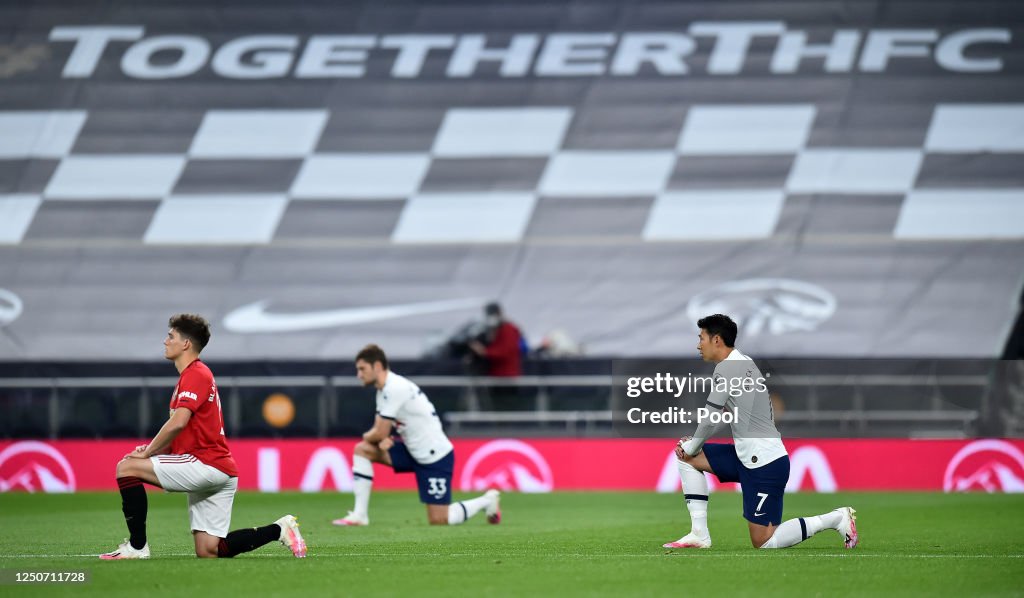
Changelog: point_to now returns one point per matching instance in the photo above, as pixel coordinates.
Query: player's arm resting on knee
(706, 429)
(168, 432)
(143, 447)
(381, 429)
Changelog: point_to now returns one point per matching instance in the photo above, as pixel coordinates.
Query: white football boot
(291, 537)
(848, 526)
(690, 540)
(125, 551)
(493, 509)
(352, 520)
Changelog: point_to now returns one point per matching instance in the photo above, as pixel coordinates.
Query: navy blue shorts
(763, 487)
(434, 479)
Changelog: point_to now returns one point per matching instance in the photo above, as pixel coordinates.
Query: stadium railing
(131, 406)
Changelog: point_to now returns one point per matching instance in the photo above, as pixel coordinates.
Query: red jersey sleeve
(192, 391)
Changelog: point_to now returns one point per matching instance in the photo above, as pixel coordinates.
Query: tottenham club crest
(772, 305)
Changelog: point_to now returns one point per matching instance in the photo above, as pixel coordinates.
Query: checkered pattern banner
(506, 174)
(844, 177)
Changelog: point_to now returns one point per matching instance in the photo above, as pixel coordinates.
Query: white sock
(695, 490)
(461, 511)
(796, 531)
(362, 483)
(830, 520)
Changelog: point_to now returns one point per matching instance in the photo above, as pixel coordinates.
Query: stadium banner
(545, 465)
(840, 176)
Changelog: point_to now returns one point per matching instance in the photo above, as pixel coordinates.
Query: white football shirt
(415, 418)
(758, 441)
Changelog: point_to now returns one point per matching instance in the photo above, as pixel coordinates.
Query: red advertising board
(543, 465)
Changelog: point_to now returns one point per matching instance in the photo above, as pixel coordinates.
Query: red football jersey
(203, 437)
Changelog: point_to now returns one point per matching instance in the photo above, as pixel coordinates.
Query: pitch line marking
(692, 555)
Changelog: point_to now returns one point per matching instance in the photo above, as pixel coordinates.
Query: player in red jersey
(190, 454)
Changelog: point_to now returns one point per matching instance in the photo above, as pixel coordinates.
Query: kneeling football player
(758, 460)
(190, 454)
(424, 450)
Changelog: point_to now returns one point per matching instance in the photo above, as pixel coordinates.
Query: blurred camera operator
(501, 348)
(502, 344)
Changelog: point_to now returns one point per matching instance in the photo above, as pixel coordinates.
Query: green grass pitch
(557, 544)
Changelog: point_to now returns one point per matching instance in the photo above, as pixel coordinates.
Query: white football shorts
(211, 492)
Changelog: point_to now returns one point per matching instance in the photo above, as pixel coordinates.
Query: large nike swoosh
(254, 317)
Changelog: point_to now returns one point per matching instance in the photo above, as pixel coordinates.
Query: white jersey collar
(735, 355)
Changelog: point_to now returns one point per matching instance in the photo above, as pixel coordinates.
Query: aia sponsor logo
(988, 465)
(507, 465)
(33, 466)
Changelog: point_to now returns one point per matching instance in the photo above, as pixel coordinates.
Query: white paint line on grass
(691, 555)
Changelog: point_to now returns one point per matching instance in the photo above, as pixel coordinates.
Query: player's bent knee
(437, 514)
(206, 546)
(698, 462)
(758, 538)
(125, 468)
(205, 551)
(364, 449)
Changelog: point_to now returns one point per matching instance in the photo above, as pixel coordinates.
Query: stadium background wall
(807, 165)
(841, 176)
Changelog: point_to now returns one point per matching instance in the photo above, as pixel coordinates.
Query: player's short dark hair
(721, 325)
(372, 354)
(193, 327)
(493, 309)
